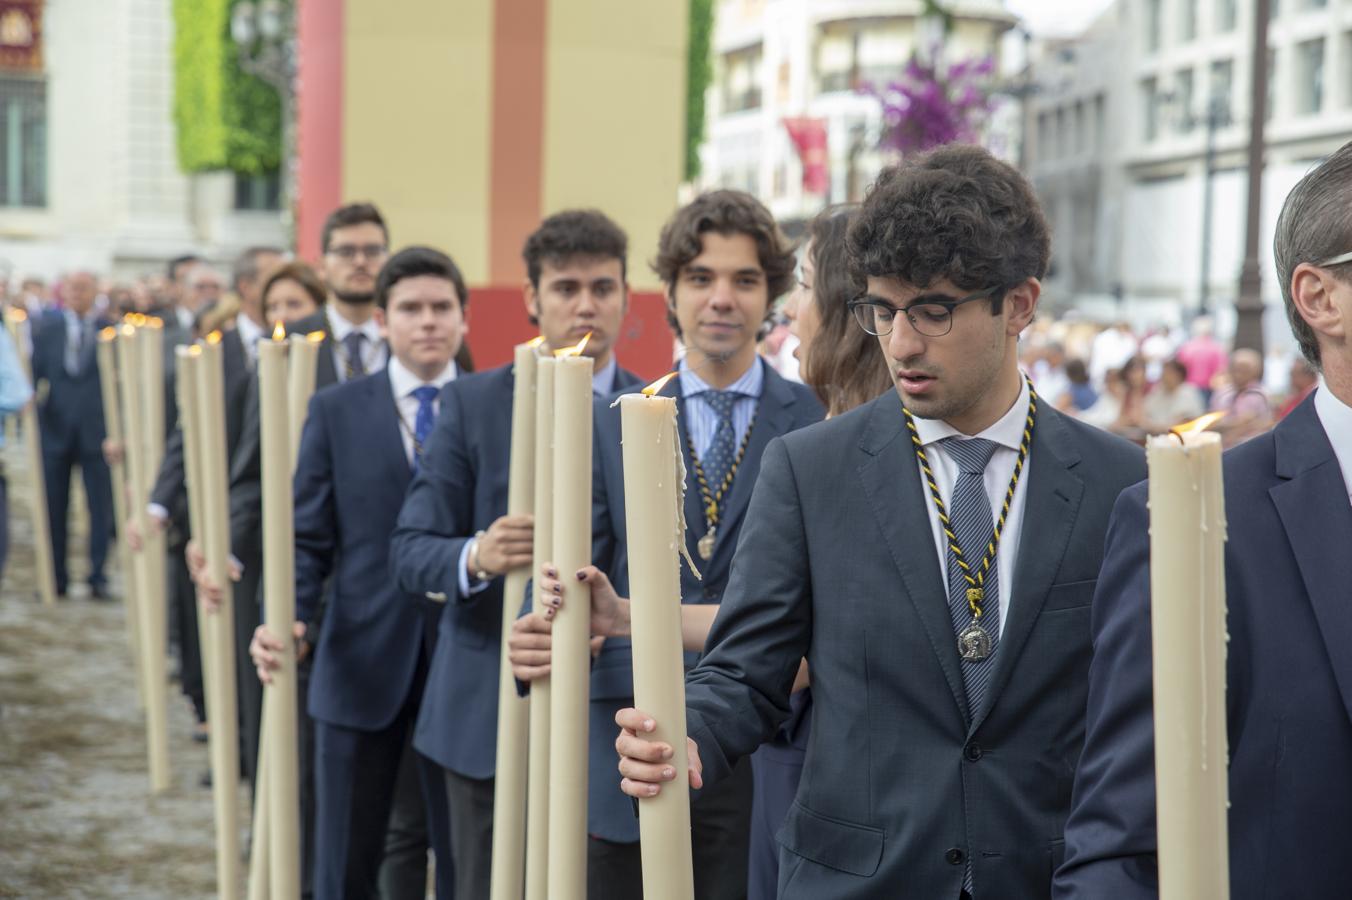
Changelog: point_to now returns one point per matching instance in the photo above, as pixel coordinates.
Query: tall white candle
(570, 658)
(654, 486)
(538, 763)
(279, 600)
(1188, 631)
(509, 787)
(149, 568)
(222, 787)
(112, 420)
(32, 443)
(301, 382)
(215, 542)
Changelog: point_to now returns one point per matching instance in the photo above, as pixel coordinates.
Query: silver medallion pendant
(974, 644)
(706, 546)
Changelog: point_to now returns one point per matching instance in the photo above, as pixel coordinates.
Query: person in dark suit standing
(1289, 661)
(932, 554)
(722, 260)
(454, 540)
(362, 442)
(70, 419)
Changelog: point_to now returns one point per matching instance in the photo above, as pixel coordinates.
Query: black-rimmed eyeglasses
(930, 316)
(349, 252)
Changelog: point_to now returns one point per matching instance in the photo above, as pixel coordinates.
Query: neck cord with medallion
(413, 435)
(713, 500)
(974, 643)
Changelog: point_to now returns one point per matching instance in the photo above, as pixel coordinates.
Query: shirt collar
(751, 383)
(404, 382)
(603, 380)
(341, 327)
(1336, 417)
(249, 331)
(1007, 430)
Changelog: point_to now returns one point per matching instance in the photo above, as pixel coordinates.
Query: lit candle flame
(279, 331)
(108, 334)
(657, 385)
(535, 342)
(195, 350)
(18, 315)
(152, 322)
(575, 350)
(315, 337)
(1199, 424)
(214, 338)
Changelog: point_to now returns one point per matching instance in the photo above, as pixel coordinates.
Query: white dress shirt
(402, 384)
(373, 349)
(1336, 417)
(250, 333)
(1008, 434)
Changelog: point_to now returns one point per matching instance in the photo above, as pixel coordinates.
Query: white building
(88, 168)
(1172, 58)
(775, 59)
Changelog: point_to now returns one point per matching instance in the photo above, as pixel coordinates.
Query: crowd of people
(872, 711)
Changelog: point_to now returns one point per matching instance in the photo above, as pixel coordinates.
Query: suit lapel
(1052, 504)
(891, 480)
(1313, 505)
(388, 432)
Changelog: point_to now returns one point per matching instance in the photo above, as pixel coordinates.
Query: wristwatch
(480, 574)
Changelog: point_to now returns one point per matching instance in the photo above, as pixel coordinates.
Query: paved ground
(76, 817)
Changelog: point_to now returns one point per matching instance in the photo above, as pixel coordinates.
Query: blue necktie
(717, 461)
(424, 420)
(354, 366)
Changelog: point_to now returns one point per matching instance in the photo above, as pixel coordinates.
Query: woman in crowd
(845, 367)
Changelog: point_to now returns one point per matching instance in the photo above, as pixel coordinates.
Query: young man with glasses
(932, 554)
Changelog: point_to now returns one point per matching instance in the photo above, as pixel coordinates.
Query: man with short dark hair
(363, 441)
(723, 261)
(455, 540)
(70, 418)
(894, 548)
(1288, 676)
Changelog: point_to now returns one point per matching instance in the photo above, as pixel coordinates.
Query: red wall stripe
(319, 119)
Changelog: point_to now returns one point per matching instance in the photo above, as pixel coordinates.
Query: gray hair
(1315, 225)
(246, 264)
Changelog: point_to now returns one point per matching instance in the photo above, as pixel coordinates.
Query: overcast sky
(1057, 17)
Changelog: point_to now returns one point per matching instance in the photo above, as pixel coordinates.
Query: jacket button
(972, 752)
(955, 856)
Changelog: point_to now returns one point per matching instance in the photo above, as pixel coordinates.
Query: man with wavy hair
(932, 554)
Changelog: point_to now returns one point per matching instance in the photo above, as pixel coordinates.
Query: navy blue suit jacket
(71, 416)
(461, 488)
(1288, 582)
(350, 480)
(784, 407)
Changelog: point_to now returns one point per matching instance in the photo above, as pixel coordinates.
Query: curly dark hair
(955, 213)
(574, 233)
(727, 213)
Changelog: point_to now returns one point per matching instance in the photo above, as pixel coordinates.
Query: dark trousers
(356, 773)
(720, 824)
(184, 598)
(57, 467)
(4, 525)
(470, 801)
(777, 769)
(249, 691)
(403, 869)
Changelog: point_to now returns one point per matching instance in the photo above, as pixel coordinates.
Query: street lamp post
(1217, 116)
(264, 33)
(1249, 327)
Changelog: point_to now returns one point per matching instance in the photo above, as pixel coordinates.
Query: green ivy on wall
(699, 73)
(226, 119)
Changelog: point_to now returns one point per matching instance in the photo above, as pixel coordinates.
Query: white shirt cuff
(469, 586)
(158, 511)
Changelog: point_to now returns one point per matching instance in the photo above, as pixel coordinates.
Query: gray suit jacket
(902, 785)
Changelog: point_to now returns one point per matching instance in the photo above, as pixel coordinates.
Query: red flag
(809, 136)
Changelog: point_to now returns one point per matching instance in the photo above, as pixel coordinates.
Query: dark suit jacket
(902, 784)
(460, 488)
(246, 498)
(1288, 567)
(71, 416)
(170, 489)
(350, 480)
(784, 407)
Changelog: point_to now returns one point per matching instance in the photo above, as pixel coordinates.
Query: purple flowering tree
(933, 103)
